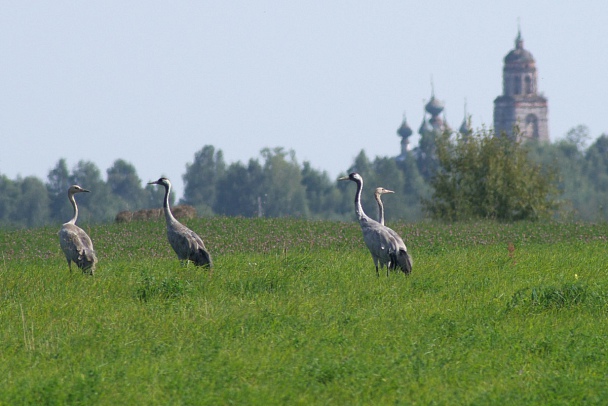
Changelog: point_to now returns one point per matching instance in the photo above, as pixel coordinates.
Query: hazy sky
(152, 82)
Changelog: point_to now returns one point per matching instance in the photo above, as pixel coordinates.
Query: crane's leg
(376, 264)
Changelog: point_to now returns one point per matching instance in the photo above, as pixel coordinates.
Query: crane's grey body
(385, 245)
(74, 241)
(378, 195)
(186, 243)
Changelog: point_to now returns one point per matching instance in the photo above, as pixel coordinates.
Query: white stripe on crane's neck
(358, 208)
(168, 215)
(75, 206)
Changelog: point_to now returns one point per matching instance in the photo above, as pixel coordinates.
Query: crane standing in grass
(385, 245)
(75, 243)
(186, 243)
(378, 195)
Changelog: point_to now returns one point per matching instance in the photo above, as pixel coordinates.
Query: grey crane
(385, 245)
(378, 195)
(186, 243)
(75, 243)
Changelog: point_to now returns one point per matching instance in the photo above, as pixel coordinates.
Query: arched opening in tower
(529, 89)
(531, 127)
(517, 85)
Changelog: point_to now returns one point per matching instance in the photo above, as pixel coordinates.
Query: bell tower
(521, 106)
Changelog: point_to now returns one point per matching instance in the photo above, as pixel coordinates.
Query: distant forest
(275, 184)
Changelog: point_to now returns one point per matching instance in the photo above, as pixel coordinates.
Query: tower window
(529, 89)
(517, 86)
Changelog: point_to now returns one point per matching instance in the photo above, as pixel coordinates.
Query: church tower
(521, 106)
(404, 132)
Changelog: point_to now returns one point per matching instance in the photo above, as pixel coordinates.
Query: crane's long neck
(358, 208)
(75, 206)
(380, 209)
(168, 215)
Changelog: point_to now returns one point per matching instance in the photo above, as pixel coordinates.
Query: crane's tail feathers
(201, 258)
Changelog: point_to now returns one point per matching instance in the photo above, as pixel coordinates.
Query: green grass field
(294, 314)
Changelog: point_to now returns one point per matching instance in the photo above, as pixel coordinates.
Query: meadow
(293, 313)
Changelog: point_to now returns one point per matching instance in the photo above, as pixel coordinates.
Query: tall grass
(294, 314)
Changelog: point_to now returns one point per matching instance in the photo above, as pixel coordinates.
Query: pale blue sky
(153, 82)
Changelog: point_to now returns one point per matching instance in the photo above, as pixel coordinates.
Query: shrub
(483, 176)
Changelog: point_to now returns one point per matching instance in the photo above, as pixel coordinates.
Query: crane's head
(354, 176)
(76, 189)
(161, 181)
(382, 191)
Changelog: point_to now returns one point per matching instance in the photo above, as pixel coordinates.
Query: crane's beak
(87, 191)
(388, 191)
(153, 183)
(344, 178)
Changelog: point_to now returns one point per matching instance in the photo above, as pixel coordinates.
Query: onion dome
(434, 107)
(519, 54)
(405, 130)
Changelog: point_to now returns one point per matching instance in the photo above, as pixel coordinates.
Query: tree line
(451, 177)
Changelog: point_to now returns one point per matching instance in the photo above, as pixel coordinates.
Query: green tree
(126, 186)
(239, 191)
(9, 197)
(583, 175)
(415, 189)
(567, 159)
(32, 208)
(58, 182)
(201, 177)
(596, 170)
(484, 176)
(426, 153)
(284, 194)
(99, 205)
(596, 159)
(321, 193)
(362, 164)
(579, 136)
